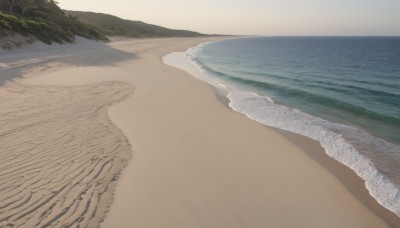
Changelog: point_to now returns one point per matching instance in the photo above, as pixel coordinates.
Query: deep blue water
(341, 91)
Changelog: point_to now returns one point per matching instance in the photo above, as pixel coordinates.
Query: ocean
(341, 91)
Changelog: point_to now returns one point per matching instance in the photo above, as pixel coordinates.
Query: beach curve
(195, 163)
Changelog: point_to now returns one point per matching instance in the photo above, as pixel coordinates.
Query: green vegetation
(44, 20)
(115, 26)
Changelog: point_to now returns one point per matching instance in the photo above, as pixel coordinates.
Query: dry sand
(59, 154)
(195, 162)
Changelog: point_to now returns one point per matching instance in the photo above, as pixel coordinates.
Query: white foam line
(263, 110)
(270, 114)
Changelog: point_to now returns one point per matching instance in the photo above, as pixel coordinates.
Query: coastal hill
(114, 26)
(43, 20)
(23, 21)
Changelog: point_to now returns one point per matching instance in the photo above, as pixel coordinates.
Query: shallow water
(341, 91)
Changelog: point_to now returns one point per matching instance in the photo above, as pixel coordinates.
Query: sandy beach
(93, 132)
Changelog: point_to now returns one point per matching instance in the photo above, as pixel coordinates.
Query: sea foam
(264, 110)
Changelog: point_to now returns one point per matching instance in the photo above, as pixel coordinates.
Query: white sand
(59, 154)
(195, 162)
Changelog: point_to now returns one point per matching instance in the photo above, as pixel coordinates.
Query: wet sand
(196, 163)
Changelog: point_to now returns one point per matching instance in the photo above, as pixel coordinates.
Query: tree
(11, 4)
(27, 5)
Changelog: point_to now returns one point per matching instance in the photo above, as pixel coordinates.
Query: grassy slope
(48, 23)
(44, 20)
(59, 29)
(115, 26)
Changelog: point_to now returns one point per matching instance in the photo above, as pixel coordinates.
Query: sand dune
(59, 154)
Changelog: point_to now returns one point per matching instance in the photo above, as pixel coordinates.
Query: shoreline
(354, 183)
(313, 148)
(188, 176)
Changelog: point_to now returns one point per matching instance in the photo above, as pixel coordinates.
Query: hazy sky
(257, 17)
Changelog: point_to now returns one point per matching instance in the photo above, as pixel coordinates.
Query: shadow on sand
(84, 53)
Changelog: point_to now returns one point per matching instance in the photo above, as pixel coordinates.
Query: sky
(257, 17)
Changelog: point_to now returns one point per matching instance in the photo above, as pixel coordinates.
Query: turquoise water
(341, 91)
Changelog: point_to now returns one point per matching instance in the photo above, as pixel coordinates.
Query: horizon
(258, 17)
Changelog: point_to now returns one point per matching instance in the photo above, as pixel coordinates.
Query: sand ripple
(60, 155)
